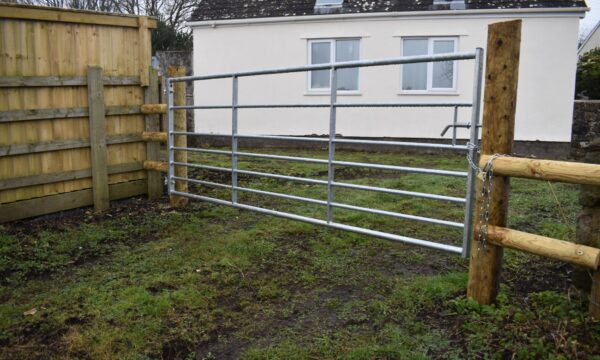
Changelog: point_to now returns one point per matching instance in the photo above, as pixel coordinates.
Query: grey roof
(248, 9)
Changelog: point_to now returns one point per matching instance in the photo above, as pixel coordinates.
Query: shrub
(588, 75)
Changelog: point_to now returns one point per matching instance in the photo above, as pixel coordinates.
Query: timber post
(179, 124)
(98, 151)
(500, 98)
(152, 124)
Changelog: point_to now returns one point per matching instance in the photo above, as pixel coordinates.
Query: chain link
(487, 174)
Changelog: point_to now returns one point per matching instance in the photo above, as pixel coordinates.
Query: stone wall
(586, 148)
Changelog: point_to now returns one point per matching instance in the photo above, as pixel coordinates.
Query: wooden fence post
(594, 307)
(179, 124)
(500, 98)
(98, 138)
(155, 184)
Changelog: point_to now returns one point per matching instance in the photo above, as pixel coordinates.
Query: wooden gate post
(155, 184)
(179, 124)
(500, 99)
(98, 138)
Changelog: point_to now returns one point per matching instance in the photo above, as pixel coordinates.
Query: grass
(145, 281)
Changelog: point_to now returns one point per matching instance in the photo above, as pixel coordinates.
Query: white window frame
(331, 41)
(430, 89)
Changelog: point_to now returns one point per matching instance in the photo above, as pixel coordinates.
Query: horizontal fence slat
(548, 170)
(20, 149)
(54, 81)
(42, 179)
(36, 13)
(63, 113)
(67, 201)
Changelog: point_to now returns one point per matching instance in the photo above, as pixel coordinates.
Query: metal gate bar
(339, 141)
(333, 204)
(331, 141)
(338, 105)
(334, 225)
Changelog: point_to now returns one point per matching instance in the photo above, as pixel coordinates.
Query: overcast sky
(591, 18)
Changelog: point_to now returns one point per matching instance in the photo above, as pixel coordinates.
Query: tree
(588, 75)
(167, 38)
(171, 33)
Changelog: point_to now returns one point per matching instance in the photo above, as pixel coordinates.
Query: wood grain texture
(152, 136)
(28, 12)
(560, 171)
(98, 138)
(52, 81)
(154, 108)
(179, 124)
(500, 99)
(65, 176)
(72, 200)
(145, 50)
(569, 252)
(155, 181)
(594, 307)
(161, 166)
(64, 113)
(44, 66)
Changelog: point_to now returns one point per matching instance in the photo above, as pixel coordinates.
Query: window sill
(428, 93)
(328, 93)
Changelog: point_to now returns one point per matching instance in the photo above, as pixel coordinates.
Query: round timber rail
(561, 171)
(575, 254)
(154, 136)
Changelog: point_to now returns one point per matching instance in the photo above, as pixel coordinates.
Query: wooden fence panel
(43, 71)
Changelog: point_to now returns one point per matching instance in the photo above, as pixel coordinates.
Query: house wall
(546, 84)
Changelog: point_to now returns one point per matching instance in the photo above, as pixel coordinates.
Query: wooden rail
(153, 165)
(503, 53)
(562, 171)
(64, 113)
(575, 254)
(52, 81)
(148, 109)
(154, 136)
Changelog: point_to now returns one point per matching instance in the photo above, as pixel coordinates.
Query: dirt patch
(176, 349)
(134, 208)
(39, 340)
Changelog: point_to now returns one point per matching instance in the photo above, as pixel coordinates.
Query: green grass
(146, 281)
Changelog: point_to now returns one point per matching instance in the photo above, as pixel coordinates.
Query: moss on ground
(146, 281)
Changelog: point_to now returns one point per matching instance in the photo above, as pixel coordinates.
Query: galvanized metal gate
(470, 149)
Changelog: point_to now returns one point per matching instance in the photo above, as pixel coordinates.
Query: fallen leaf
(30, 312)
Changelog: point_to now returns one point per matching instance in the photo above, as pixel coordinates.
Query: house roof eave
(520, 12)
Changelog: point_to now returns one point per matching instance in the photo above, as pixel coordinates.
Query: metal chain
(471, 146)
(487, 174)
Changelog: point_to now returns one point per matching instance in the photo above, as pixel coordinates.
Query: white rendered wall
(545, 95)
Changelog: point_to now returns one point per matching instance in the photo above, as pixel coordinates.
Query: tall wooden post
(155, 185)
(500, 100)
(98, 138)
(179, 124)
(594, 307)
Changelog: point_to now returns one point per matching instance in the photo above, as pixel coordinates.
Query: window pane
(320, 54)
(443, 72)
(347, 50)
(329, 2)
(414, 76)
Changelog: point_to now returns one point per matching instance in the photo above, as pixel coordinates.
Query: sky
(591, 17)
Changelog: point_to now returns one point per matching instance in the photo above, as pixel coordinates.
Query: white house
(238, 35)
(591, 41)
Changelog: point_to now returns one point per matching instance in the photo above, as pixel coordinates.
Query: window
(322, 52)
(329, 3)
(434, 76)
